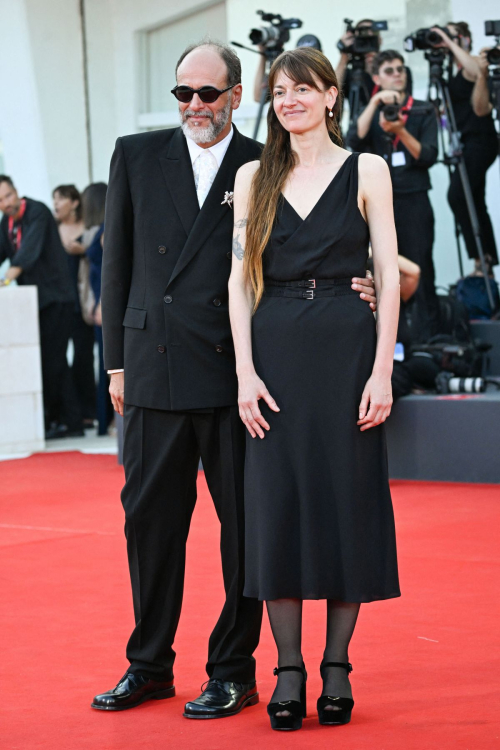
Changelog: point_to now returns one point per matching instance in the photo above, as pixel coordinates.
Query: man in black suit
(168, 345)
(29, 239)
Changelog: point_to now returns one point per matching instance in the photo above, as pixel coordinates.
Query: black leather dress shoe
(131, 691)
(221, 699)
(61, 431)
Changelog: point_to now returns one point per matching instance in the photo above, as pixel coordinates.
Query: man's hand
(347, 39)
(391, 126)
(386, 97)
(367, 288)
(116, 391)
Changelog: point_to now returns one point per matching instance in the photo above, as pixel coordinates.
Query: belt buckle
(309, 293)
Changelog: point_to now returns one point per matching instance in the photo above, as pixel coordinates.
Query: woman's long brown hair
(278, 159)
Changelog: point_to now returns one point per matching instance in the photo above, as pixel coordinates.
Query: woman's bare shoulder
(246, 172)
(371, 165)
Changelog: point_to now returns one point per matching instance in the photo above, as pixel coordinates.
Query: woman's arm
(376, 192)
(467, 62)
(480, 100)
(250, 386)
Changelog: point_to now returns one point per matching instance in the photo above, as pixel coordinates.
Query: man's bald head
(210, 53)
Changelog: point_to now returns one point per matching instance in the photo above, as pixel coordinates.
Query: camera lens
(391, 112)
(493, 56)
(433, 38)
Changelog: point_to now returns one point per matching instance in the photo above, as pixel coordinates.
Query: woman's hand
(447, 40)
(250, 390)
(378, 395)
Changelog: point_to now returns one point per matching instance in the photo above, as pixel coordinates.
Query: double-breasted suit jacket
(166, 267)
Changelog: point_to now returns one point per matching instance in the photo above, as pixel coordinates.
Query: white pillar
(21, 405)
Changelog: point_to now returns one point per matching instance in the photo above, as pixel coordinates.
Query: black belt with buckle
(313, 288)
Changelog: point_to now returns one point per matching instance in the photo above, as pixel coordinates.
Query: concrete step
(449, 438)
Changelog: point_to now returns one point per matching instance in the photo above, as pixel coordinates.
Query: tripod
(357, 85)
(270, 53)
(438, 95)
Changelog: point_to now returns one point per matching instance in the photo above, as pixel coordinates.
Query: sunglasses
(207, 94)
(390, 71)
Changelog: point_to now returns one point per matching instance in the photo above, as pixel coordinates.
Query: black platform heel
(296, 709)
(344, 706)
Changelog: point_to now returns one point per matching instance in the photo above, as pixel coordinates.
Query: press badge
(398, 159)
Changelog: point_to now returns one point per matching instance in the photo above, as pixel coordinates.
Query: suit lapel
(178, 174)
(212, 211)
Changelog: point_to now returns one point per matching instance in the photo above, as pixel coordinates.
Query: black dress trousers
(161, 455)
(60, 399)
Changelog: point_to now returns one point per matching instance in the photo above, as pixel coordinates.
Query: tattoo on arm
(238, 248)
(241, 223)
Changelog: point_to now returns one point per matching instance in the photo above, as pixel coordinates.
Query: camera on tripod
(492, 28)
(425, 39)
(277, 33)
(366, 39)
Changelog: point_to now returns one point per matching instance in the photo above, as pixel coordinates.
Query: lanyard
(15, 227)
(407, 108)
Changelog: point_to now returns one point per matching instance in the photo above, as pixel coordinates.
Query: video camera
(425, 39)
(366, 38)
(277, 34)
(492, 28)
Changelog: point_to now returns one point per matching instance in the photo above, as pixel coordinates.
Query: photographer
(260, 81)
(409, 143)
(470, 99)
(344, 72)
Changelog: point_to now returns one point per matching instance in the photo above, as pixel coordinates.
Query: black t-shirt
(413, 175)
(468, 123)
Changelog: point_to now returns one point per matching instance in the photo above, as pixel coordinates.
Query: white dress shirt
(219, 151)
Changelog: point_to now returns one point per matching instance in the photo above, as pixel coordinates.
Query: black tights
(285, 616)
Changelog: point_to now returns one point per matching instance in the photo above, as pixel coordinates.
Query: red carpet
(426, 666)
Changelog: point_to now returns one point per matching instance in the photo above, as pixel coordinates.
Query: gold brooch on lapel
(228, 198)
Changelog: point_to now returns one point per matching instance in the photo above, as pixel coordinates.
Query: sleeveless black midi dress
(319, 522)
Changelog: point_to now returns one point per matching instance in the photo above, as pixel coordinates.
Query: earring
(330, 114)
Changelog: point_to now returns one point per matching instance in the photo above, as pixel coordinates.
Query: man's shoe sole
(159, 696)
(251, 701)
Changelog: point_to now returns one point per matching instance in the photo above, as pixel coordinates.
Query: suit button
(228, 255)
(167, 299)
(162, 249)
(218, 348)
(160, 349)
(217, 302)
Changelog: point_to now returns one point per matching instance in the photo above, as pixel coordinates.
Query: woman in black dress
(319, 519)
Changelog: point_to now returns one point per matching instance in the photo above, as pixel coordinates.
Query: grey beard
(210, 132)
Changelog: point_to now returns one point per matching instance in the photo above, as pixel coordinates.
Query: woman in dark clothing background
(68, 214)
(93, 202)
(479, 141)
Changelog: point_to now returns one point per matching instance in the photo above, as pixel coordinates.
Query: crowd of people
(61, 254)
